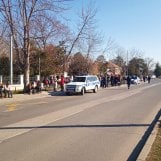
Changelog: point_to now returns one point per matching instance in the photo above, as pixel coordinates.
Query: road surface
(103, 126)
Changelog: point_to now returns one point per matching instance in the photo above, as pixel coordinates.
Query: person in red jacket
(62, 81)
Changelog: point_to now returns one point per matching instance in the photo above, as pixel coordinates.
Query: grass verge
(155, 152)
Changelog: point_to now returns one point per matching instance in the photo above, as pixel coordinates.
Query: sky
(130, 23)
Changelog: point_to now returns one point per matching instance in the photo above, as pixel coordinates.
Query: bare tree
(91, 44)
(47, 30)
(134, 53)
(150, 63)
(19, 15)
(110, 47)
(4, 46)
(85, 26)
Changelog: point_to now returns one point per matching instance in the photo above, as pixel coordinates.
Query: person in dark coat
(149, 78)
(128, 82)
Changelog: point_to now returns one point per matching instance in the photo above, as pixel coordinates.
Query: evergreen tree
(157, 70)
(4, 66)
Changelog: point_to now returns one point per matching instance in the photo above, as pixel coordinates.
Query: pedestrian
(128, 81)
(62, 81)
(38, 86)
(7, 90)
(108, 80)
(1, 90)
(115, 80)
(55, 83)
(144, 78)
(112, 80)
(29, 88)
(104, 81)
(119, 80)
(149, 78)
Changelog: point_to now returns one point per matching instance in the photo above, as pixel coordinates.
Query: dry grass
(155, 153)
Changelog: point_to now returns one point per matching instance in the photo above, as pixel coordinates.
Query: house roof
(112, 65)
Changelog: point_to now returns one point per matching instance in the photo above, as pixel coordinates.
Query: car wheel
(95, 89)
(82, 91)
(67, 93)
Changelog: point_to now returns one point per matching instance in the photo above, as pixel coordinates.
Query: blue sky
(130, 23)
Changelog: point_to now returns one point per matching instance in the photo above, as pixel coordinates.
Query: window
(79, 79)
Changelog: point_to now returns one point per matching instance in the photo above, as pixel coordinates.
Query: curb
(136, 153)
(147, 147)
(22, 97)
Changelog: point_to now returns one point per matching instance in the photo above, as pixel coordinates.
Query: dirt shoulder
(155, 152)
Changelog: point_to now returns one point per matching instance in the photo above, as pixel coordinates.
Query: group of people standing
(34, 87)
(54, 81)
(112, 80)
(115, 80)
(147, 78)
(6, 90)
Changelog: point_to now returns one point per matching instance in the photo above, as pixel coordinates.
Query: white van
(81, 84)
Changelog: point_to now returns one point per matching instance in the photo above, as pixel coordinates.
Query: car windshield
(79, 79)
(134, 77)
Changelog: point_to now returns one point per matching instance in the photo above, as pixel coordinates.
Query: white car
(81, 84)
(153, 76)
(135, 80)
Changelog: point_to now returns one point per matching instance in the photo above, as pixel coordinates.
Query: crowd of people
(34, 87)
(55, 82)
(116, 80)
(112, 80)
(58, 82)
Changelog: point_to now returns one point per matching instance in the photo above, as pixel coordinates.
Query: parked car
(135, 80)
(153, 76)
(81, 84)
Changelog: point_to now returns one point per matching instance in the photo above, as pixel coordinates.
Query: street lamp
(39, 65)
(127, 64)
(11, 60)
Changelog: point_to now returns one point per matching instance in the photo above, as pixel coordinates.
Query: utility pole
(127, 63)
(11, 60)
(39, 65)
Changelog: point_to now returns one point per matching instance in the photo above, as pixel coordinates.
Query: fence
(18, 82)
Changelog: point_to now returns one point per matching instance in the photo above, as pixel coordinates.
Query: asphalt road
(106, 126)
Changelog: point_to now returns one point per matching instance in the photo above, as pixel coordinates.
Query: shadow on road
(136, 151)
(77, 126)
(62, 93)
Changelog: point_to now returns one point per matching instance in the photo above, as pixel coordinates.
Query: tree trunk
(27, 73)
(27, 62)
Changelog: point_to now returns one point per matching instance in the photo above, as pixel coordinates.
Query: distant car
(153, 76)
(81, 84)
(135, 80)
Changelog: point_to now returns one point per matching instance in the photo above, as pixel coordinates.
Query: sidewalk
(22, 97)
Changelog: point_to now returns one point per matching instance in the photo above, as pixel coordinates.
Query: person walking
(149, 78)
(128, 82)
(144, 78)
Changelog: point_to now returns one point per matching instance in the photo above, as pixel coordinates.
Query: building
(113, 68)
